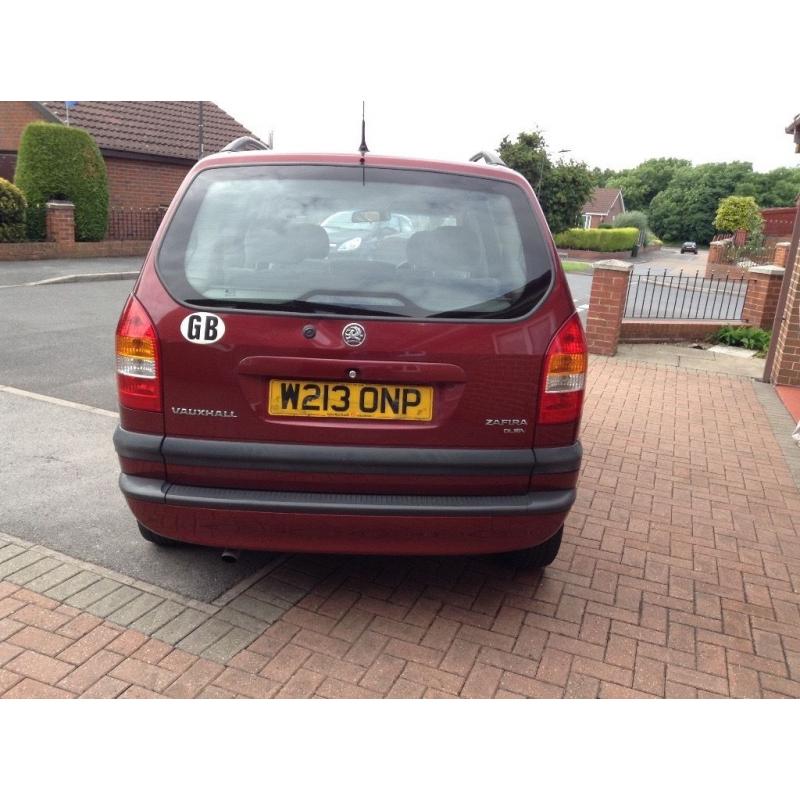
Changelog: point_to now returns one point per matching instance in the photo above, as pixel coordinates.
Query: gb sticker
(202, 328)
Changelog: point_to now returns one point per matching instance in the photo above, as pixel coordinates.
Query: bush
(605, 226)
(12, 212)
(631, 219)
(604, 241)
(750, 338)
(736, 212)
(59, 163)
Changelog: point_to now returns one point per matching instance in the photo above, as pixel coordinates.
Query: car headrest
(449, 247)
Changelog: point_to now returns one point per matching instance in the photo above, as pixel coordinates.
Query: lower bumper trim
(157, 491)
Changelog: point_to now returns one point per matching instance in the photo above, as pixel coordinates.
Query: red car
(423, 400)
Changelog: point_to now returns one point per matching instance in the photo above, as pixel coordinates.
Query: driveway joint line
(57, 401)
(243, 585)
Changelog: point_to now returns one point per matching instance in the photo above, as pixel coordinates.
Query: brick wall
(593, 255)
(779, 221)
(723, 271)
(786, 362)
(643, 331)
(717, 266)
(35, 251)
(142, 184)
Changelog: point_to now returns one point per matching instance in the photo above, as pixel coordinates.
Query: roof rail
(490, 157)
(245, 143)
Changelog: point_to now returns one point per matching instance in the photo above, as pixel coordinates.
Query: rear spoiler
(489, 157)
(245, 143)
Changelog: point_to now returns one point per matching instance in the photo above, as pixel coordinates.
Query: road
(581, 287)
(58, 470)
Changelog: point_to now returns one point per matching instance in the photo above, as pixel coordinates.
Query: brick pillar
(61, 222)
(763, 289)
(606, 305)
(715, 259)
(715, 250)
(781, 254)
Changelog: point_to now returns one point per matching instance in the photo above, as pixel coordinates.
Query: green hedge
(60, 163)
(12, 212)
(603, 240)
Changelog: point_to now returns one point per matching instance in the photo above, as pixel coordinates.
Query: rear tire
(155, 539)
(537, 557)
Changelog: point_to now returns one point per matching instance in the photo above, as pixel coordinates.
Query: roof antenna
(362, 148)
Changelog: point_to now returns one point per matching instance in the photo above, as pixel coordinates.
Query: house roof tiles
(601, 201)
(165, 129)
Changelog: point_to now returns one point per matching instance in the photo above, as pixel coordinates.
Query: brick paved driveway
(679, 577)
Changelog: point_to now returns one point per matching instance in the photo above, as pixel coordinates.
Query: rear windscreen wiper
(296, 306)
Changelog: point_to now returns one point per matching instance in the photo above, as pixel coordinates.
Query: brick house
(783, 358)
(602, 206)
(148, 147)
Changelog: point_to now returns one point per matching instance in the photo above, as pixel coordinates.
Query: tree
(60, 163)
(642, 183)
(686, 208)
(601, 177)
(562, 188)
(777, 188)
(738, 213)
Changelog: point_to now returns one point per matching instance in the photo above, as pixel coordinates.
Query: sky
(612, 83)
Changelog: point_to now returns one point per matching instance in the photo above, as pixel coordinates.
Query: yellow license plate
(350, 400)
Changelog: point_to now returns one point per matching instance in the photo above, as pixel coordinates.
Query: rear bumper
(221, 454)
(398, 523)
(156, 491)
(340, 523)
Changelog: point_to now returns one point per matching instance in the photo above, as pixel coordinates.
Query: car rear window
(355, 240)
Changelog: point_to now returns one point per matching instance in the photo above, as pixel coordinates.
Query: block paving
(679, 577)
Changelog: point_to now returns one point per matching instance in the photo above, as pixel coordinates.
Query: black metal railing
(748, 255)
(134, 223)
(665, 295)
(36, 223)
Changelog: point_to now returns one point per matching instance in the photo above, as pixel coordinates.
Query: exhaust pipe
(230, 556)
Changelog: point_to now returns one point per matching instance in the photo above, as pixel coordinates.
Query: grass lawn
(576, 266)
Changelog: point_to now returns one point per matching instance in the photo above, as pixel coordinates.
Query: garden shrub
(60, 163)
(602, 240)
(12, 212)
(750, 338)
(631, 219)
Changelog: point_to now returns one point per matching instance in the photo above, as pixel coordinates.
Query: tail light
(138, 361)
(561, 398)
